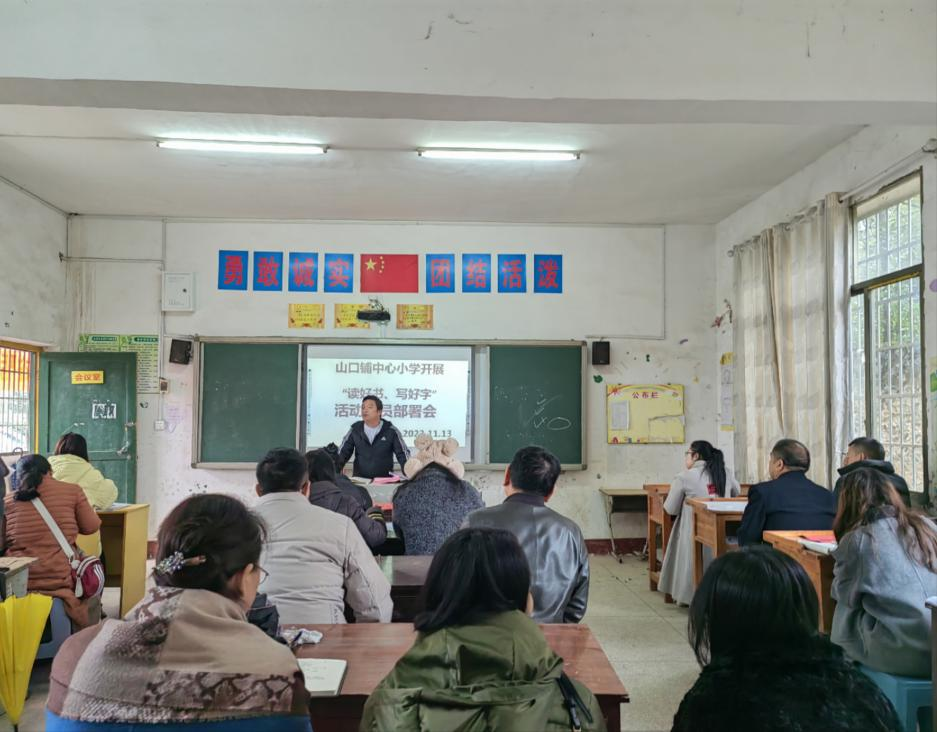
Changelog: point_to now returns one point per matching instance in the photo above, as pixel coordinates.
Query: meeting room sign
(272, 271)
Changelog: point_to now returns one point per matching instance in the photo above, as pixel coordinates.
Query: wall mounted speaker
(180, 351)
(601, 353)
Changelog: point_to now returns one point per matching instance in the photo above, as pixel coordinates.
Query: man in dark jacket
(555, 549)
(374, 442)
(789, 501)
(867, 452)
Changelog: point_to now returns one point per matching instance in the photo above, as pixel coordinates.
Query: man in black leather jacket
(555, 549)
(867, 452)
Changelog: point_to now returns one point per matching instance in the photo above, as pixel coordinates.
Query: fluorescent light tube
(276, 148)
(453, 153)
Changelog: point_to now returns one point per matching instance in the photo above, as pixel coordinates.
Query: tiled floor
(644, 639)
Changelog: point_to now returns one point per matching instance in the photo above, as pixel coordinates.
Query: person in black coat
(867, 452)
(324, 493)
(789, 501)
(345, 483)
(765, 667)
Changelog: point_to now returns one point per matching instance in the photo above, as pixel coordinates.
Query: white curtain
(790, 340)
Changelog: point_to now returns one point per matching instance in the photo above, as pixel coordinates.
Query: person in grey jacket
(316, 560)
(433, 503)
(553, 544)
(886, 568)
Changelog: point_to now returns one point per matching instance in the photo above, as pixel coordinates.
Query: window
(885, 333)
(18, 369)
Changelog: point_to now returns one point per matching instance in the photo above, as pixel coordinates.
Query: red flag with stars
(390, 273)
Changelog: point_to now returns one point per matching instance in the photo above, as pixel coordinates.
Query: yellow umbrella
(22, 620)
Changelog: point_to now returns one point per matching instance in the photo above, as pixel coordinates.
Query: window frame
(36, 351)
(866, 289)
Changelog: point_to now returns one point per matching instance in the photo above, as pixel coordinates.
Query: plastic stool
(61, 629)
(907, 694)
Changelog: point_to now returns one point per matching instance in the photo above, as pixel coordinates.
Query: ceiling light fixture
(466, 153)
(276, 148)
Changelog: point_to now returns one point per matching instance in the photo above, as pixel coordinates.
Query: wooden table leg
(611, 710)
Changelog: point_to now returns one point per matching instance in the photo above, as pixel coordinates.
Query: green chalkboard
(535, 398)
(249, 397)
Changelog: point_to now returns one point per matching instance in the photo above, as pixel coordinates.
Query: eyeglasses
(263, 573)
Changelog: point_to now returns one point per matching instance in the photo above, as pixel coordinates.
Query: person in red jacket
(23, 533)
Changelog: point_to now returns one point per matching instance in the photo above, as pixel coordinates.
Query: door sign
(103, 410)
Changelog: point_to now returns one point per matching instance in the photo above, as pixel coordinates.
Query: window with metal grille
(885, 328)
(17, 392)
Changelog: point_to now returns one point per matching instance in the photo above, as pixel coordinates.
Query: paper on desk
(726, 506)
(386, 480)
(820, 547)
(116, 506)
(324, 676)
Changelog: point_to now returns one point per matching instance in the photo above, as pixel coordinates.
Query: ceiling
(104, 161)
(684, 110)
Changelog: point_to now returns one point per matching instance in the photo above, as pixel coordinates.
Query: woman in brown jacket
(23, 533)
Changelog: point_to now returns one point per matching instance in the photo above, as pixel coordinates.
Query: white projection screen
(424, 389)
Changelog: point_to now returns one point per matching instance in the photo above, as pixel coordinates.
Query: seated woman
(70, 465)
(705, 476)
(24, 533)
(886, 567)
(754, 630)
(324, 492)
(434, 502)
(186, 652)
(345, 483)
(479, 662)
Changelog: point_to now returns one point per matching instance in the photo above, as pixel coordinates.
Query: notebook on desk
(324, 676)
(727, 506)
(820, 547)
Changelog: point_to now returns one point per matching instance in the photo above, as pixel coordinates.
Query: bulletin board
(640, 414)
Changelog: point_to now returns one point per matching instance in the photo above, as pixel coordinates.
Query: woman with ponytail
(704, 477)
(24, 533)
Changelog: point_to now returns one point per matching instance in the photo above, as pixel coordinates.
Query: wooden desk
(14, 576)
(372, 649)
(407, 576)
(819, 567)
(123, 540)
(657, 518)
(620, 500)
(709, 529)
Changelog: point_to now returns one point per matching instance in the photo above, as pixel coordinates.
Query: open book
(324, 676)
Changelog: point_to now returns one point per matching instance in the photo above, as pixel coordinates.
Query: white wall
(844, 168)
(32, 294)
(165, 475)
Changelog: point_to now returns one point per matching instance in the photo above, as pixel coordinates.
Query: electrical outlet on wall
(159, 425)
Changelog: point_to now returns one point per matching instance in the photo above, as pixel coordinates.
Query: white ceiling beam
(168, 96)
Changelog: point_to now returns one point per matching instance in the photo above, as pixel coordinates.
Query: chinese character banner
(269, 271)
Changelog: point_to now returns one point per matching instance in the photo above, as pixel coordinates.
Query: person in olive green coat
(479, 663)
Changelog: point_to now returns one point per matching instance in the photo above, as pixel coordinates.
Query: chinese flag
(390, 273)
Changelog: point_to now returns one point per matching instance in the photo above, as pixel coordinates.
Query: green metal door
(105, 413)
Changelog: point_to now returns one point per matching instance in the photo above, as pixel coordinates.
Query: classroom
(509, 366)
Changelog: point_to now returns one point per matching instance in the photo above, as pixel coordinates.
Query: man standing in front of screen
(374, 442)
